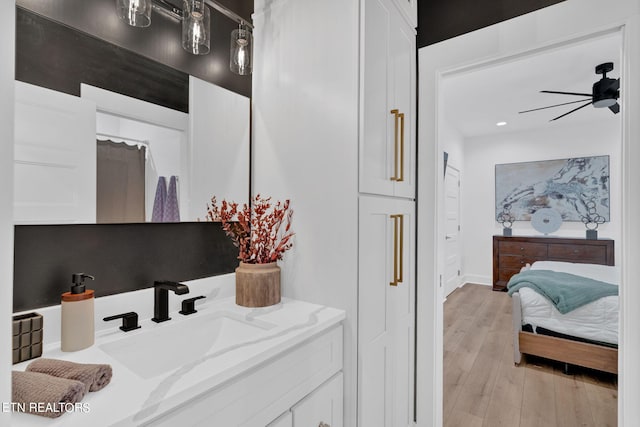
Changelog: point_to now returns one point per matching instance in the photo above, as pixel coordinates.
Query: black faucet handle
(189, 305)
(129, 320)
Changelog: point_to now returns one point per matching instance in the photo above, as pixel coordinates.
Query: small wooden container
(257, 285)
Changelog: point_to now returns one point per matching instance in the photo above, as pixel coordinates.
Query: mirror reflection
(103, 157)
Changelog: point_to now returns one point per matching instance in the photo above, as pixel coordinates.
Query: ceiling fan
(605, 93)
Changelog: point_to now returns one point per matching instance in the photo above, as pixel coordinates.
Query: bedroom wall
(453, 143)
(553, 142)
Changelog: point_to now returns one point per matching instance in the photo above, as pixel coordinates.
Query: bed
(586, 336)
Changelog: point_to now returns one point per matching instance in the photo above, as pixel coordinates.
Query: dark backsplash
(122, 257)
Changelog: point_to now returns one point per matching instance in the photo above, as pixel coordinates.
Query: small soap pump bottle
(77, 330)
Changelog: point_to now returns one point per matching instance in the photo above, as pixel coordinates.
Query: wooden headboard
(510, 254)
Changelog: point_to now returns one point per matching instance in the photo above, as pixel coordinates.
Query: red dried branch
(261, 232)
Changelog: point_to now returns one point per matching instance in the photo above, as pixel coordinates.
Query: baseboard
(477, 279)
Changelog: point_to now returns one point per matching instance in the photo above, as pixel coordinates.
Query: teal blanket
(565, 291)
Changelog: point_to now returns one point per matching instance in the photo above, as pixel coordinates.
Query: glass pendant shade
(240, 60)
(196, 30)
(136, 13)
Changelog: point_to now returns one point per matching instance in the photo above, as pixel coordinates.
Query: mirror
(181, 159)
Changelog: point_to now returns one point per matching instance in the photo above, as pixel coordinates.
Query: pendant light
(196, 27)
(240, 59)
(136, 13)
(196, 30)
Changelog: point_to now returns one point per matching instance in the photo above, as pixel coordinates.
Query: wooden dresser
(510, 254)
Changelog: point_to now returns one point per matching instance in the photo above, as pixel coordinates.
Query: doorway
(486, 141)
(485, 48)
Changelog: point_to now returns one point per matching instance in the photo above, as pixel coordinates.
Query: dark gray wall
(439, 20)
(58, 57)
(122, 257)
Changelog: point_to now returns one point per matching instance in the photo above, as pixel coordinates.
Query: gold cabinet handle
(396, 114)
(398, 145)
(398, 248)
(401, 177)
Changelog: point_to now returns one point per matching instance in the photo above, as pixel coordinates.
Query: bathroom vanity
(225, 365)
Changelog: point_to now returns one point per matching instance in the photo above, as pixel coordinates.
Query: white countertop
(131, 400)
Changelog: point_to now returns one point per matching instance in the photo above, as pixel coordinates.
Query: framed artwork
(566, 185)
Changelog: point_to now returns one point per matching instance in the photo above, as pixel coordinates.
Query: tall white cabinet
(327, 75)
(386, 230)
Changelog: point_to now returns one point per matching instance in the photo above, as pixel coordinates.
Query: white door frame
(547, 28)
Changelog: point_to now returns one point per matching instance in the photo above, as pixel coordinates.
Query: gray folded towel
(94, 376)
(43, 394)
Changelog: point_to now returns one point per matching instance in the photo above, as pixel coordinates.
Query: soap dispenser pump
(77, 329)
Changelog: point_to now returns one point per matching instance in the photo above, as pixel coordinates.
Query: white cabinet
(265, 395)
(409, 9)
(386, 312)
(322, 408)
(284, 420)
(388, 99)
(387, 160)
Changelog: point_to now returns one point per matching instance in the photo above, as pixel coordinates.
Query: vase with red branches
(262, 233)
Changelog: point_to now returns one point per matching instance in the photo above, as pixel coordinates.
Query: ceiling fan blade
(566, 93)
(615, 108)
(551, 106)
(575, 109)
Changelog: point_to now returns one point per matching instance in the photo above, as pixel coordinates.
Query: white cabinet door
(409, 9)
(386, 312)
(55, 157)
(284, 420)
(387, 146)
(322, 408)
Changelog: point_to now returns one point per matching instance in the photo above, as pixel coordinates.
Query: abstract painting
(566, 185)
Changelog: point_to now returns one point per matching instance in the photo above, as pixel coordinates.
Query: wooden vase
(257, 285)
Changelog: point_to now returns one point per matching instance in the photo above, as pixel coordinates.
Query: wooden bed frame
(564, 350)
(510, 254)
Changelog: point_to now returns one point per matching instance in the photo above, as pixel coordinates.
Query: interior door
(452, 230)
(55, 157)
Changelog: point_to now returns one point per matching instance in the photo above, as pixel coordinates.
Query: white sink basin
(167, 346)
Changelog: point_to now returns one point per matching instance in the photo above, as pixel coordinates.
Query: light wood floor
(483, 387)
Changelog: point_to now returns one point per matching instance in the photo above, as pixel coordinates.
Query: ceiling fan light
(604, 103)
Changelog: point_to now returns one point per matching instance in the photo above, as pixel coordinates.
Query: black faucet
(161, 298)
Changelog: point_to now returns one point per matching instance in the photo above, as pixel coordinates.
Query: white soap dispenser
(77, 329)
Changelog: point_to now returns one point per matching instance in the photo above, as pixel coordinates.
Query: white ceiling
(474, 101)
